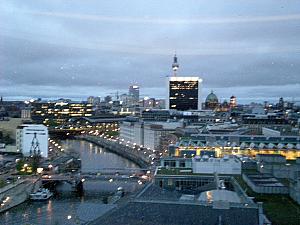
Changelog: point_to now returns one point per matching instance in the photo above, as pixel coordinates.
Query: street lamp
(39, 170)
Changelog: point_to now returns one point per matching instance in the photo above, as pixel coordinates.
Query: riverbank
(137, 157)
(68, 208)
(17, 193)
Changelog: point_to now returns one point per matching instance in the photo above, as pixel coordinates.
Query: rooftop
(219, 195)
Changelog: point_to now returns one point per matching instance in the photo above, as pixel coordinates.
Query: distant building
(149, 103)
(204, 165)
(184, 93)
(59, 112)
(233, 102)
(26, 113)
(29, 136)
(134, 91)
(90, 99)
(107, 98)
(280, 103)
(148, 134)
(251, 145)
(155, 115)
(226, 165)
(211, 101)
(97, 100)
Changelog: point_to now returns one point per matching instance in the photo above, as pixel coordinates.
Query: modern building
(210, 165)
(90, 100)
(184, 93)
(250, 145)
(26, 113)
(155, 115)
(32, 139)
(134, 91)
(59, 112)
(153, 133)
(148, 134)
(228, 165)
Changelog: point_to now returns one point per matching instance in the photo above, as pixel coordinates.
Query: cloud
(96, 47)
(170, 21)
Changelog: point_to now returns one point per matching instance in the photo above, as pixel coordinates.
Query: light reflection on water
(95, 158)
(80, 209)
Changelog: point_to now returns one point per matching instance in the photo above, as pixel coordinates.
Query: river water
(68, 208)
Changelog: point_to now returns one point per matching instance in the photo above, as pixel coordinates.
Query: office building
(250, 145)
(148, 134)
(225, 165)
(51, 113)
(183, 93)
(134, 91)
(26, 113)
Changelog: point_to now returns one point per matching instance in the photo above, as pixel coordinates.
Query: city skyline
(246, 50)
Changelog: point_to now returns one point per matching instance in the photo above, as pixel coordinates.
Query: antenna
(175, 65)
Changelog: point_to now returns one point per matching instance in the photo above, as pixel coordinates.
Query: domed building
(211, 101)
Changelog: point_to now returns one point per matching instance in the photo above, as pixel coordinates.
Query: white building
(127, 131)
(154, 131)
(28, 133)
(226, 165)
(147, 134)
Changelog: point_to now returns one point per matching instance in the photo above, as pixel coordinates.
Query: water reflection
(81, 209)
(95, 158)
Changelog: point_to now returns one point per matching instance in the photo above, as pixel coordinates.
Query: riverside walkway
(16, 193)
(141, 157)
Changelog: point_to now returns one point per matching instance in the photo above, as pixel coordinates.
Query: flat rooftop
(155, 205)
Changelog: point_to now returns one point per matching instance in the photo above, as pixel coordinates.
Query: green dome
(211, 98)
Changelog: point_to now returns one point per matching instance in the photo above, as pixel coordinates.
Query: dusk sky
(72, 48)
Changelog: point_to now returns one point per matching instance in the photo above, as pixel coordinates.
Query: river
(67, 208)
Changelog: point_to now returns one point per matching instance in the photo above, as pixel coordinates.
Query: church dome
(211, 98)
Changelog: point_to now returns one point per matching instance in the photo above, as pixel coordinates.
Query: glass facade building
(184, 93)
(134, 91)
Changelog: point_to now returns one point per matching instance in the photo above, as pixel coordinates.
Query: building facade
(184, 93)
(134, 91)
(59, 112)
(148, 134)
(32, 138)
(251, 145)
(225, 165)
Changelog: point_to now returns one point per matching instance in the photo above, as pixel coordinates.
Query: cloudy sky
(77, 48)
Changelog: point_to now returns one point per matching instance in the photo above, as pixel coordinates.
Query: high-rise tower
(134, 91)
(183, 93)
(175, 65)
